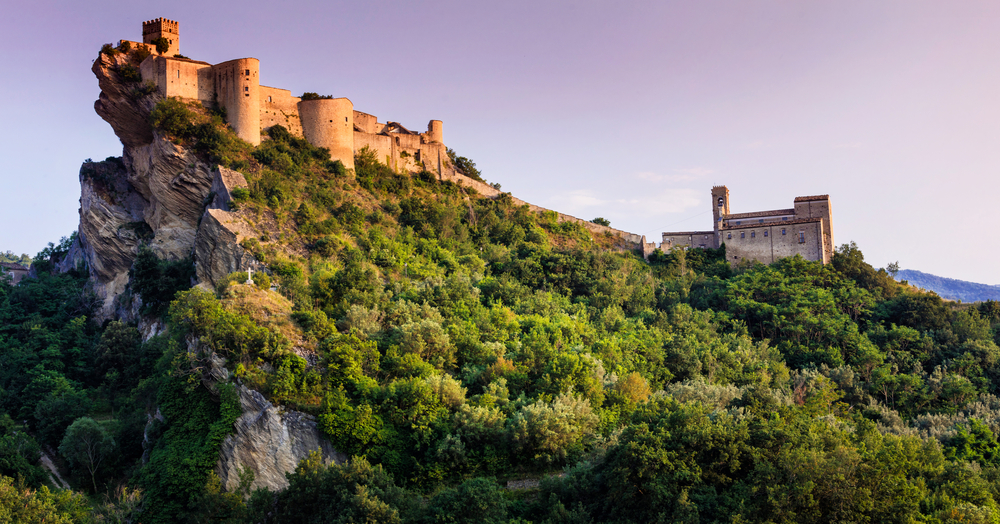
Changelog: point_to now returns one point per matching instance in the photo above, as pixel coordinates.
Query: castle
(252, 108)
(766, 236)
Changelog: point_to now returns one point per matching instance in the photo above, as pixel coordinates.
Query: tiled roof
(678, 233)
(776, 212)
(812, 198)
(12, 266)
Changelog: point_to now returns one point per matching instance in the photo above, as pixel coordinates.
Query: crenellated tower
(162, 28)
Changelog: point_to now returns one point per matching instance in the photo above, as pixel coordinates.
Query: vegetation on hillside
(451, 343)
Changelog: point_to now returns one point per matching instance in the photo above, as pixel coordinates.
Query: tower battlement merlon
(165, 28)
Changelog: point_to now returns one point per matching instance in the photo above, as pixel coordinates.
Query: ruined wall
(367, 123)
(329, 123)
(279, 107)
(769, 242)
(237, 84)
(702, 239)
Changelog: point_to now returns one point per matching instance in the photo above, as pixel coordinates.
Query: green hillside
(451, 344)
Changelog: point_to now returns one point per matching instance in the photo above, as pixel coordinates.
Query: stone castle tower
(163, 28)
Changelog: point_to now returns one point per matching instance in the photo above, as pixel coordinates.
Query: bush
(161, 44)
(172, 116)
(309, 95)
(157, 281)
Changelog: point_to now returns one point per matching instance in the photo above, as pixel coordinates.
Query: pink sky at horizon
(626, 110)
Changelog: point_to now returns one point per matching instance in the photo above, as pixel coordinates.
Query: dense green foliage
(453, 344)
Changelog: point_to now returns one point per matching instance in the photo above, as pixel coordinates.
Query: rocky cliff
(156, 193)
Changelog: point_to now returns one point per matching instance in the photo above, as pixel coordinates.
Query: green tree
(86, 445)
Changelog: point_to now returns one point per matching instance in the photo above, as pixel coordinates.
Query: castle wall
(180, 78)
(767, 244)
(818, 207)
(279, 107)
(329, 123)
(237, 84)
(435, 131)
(381, 144)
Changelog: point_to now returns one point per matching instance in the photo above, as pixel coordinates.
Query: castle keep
(252, 108)
(766, 236)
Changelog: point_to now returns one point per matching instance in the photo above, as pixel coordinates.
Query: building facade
(805, 229)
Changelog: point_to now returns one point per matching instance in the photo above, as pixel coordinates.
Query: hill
(409, 349)
(950, 288)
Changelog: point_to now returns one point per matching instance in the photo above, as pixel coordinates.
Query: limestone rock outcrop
(217, 251)
(118, 104)
(270, 441)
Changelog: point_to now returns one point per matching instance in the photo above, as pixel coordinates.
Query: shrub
(130, 73)
(125, 46)
(172, 116)
(141, 53)
(162, 45)
(602, 221)
(309, 95)
(109, 50)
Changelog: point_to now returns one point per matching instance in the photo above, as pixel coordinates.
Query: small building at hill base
(16, 271)
(251, 108)
(804, 229)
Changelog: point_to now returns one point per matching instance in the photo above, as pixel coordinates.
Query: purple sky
(626, 110)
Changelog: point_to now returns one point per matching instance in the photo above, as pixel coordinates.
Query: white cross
(249, 277)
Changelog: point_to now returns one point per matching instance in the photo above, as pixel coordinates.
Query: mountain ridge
(950, 288)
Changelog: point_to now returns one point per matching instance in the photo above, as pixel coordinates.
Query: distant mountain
(950, 288)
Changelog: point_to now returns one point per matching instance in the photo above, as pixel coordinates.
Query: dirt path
(53, 472)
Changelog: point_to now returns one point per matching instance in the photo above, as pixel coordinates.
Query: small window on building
(268, 99)
(345, 119)
(765, 233)
(753, 234)
(738, 222)
(782, 231)
(743, 235)
(802, 237)
(246, 88)
(761, 221)
(729, 236)
(784, 218)
(178, 73)
(248, 72)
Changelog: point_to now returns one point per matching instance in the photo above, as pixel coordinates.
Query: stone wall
(702, 239)
(180, 77)
(237, 85)
(768, 243)
(329, 123)
(279, 107)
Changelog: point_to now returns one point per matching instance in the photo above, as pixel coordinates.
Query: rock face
(217, 251)
(156, 194)
(270, 441)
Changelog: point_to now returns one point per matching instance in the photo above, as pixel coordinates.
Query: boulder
(217, 249)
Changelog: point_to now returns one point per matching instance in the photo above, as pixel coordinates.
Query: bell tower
(162, 28)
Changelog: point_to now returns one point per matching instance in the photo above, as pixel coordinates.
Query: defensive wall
(333, 123)
(766, 236)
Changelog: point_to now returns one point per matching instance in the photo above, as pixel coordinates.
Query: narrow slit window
(743, 235)
(782, 231)
(802, 237)
(753, 234)
(246, 89)
(765, 233)
(178, 73)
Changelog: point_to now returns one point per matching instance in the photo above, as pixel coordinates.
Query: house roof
(10, 266)
(774, 212)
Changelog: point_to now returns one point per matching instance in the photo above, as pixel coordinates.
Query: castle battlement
(766, 236)
(253, 108)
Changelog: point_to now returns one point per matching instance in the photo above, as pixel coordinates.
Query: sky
(627, 110)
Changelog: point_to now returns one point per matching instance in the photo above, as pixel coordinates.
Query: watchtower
(162, 28)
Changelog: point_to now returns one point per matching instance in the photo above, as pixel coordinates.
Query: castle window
(784, 218)
(738, 222)
(178, 73)
(802, 237)
(743, 235)
(248, 72)
(268, 99)
(782, 231)
(720, 201)
(765, 233)
(246, 88)
(753, 234)
(729, 236)
(761, 221)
